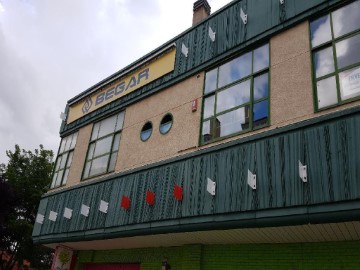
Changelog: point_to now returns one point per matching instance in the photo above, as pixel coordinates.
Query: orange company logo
(87, 105)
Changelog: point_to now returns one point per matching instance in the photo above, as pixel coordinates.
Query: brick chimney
(201, 11)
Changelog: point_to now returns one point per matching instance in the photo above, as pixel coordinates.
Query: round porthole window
(166, 123)
(146, 131)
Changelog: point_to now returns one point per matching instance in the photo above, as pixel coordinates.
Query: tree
(23, 181)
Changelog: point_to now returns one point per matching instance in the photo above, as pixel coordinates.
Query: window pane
(107, 126)
(53, 180)
(347, 51)
(57, 167)
(58, 179)
(87, 169)
(63, 160)
(73, 141)
(320, 31)
(164, 128)
(261, 86)
(146, 131)
(112, 162)
(261, 58)
(91, 151)
(206, 131)
(66, 174)
(210, 80)
(326, 92)
(95, 131)
(99, 165)
(71, 154)
(145, 135)
(68, 143)
(233, 96)
(232, 122)
(103, 146)
(324, 62)
(350, 83)
(166, 123)
(120, 121)
(346, 19)
(209, 106)
(116, 142)
(261, 113)
(62, 146)
(235, 70)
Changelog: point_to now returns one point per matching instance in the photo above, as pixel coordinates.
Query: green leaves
(24, 180)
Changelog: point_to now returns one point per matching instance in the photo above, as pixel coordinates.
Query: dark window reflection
(261, 58)
(261, 113)
(233, 122)
(320, 31)
(261, 86)
(235, 70)
(146, 131)
(166, 123)
(210, 80)
(233, 96)
(346, 19)
(240, 102)
(211, 129)
(347, 51)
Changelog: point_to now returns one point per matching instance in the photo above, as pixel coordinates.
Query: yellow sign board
(146, 74)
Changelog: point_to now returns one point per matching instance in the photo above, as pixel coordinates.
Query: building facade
(232, 146)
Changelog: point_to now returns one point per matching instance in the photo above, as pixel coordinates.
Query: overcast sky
(51, 50)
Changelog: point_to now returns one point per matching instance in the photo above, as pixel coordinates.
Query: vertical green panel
(338, 165)
(48, 226)
(263, 178)
(228, 183)
(187, 187)
(353, 157)
(76, 197)
(294, 187)
(41, 210)
(114, 211)
(262, 15)
(206, 203)
(62, 223)
(317, 167)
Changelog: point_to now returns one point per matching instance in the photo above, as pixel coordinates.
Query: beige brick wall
(184, 134)
(290, 76)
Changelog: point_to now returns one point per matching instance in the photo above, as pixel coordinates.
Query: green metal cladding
(328, 145)
(265, 18)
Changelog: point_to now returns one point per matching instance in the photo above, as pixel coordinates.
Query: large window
(63, 160)
(236, 96)
(104, 146)
(335, 42)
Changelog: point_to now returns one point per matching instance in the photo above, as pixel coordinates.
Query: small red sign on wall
(125, 202)
(178, 193)
(194, 105)
(150, 198)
